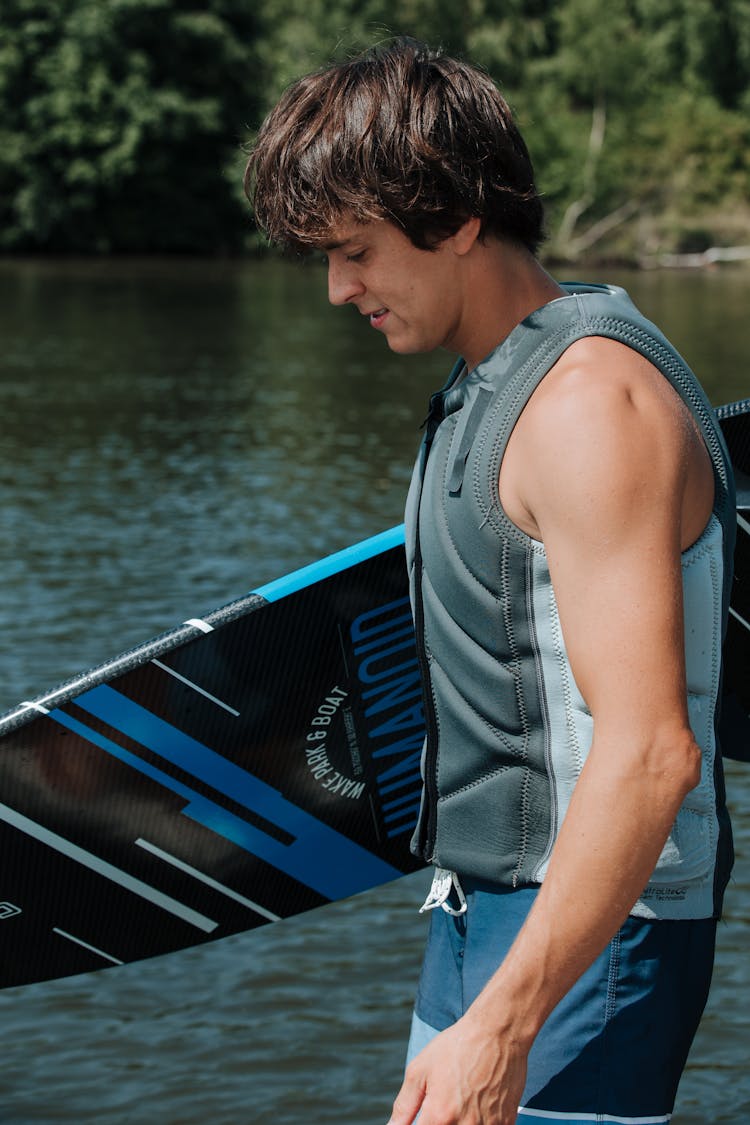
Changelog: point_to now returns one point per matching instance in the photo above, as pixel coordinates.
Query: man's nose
(343, 284)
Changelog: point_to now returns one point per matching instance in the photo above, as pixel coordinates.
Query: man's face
(409, 295)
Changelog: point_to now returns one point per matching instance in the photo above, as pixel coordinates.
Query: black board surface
(248, 766)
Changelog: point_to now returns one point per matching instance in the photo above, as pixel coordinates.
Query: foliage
(118, 119)
(122, 120)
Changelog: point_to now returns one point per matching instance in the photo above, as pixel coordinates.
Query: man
(569, 533)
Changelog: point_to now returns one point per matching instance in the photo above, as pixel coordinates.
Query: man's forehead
(338, 237)
(344, 232)
(332, 243)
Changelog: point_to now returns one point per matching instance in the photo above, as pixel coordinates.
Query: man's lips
(377, 317)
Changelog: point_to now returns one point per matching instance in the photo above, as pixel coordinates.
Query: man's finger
(408, 1101)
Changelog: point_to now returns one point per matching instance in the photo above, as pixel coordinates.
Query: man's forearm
(603, 857)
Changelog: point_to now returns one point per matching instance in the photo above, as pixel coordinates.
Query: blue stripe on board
(319, 857)
(124, 755)
(200, 809)
(324, 568)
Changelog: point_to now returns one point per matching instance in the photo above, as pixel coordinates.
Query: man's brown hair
(402, 133)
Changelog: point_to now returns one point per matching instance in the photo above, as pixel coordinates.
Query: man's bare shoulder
(601, 378)
(603, 427)
(613, 397)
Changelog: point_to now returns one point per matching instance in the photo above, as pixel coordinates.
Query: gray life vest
(507, 728)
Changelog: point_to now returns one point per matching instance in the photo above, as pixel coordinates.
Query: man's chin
(409, 347)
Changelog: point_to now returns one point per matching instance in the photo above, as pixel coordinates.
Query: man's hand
(465, 1076)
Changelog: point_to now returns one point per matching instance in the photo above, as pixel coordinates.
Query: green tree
(508, 37)
(120, 119)
(703, 45)
(631, 123)
(501, 35)
(300, 35)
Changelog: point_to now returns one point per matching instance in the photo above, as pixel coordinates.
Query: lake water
(174, 434)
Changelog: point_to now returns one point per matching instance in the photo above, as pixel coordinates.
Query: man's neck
(505, 284)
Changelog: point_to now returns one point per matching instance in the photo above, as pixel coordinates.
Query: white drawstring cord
(443, 883)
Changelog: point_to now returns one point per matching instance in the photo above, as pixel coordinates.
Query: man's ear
(466, 235)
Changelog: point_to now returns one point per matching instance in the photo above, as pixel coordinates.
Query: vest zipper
(427, 829)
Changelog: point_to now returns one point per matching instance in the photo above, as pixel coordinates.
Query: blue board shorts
(614, 1048)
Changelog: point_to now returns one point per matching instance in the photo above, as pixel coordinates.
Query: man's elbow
(677, 760)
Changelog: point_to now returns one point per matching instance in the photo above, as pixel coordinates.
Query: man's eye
(355, 257)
